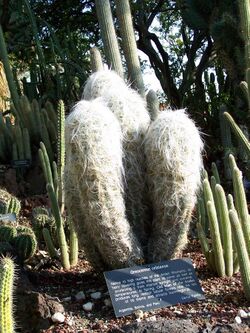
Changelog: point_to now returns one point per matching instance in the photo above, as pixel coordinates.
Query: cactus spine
(109, 38)
(7, 269)
(124, 16)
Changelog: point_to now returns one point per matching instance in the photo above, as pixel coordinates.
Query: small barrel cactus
(25, 245)
(7, 233)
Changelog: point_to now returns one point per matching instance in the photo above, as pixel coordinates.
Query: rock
(33, 310)
(107, 302)
(58, 317)
(242, 314)
(238, 320)
(96, 295)
(88, 306)
(163, 326)
(80, 296)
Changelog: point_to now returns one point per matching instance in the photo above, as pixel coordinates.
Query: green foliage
(25, 245)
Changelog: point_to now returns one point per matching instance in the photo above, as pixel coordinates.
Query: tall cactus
(173, 180)
(109, 38)
(8, 72)
(129, 46)
(98, 160)
(7, 271)
(153, 104)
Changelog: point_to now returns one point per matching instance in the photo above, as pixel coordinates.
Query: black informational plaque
(153, 286)
(16, 164)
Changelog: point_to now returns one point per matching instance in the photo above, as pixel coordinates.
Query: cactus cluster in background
(18, 240)
(227, 228)
(9, 203)
(7, 276)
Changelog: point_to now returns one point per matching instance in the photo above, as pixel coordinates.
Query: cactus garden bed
(224, 296)
(224, 299)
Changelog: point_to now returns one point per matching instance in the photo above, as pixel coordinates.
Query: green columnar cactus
(226, 232)
(73, 246)
(49, 243)
(96, 60)
(25, 245)
(109, 38)
(8, 72)
(240, 201)
(238, 132)
(7, 273)
(125, 22)
(220, 227)
(153, 104)
(243, 256)
(61, 152)
(59, 227)
(226, 141)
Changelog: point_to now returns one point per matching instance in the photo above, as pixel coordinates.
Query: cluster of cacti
(19, 240)
(105, 176)
(7, 276)
(227, 227)
(55, 189)
(9, 203)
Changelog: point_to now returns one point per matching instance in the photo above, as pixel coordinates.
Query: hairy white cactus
(130, 109)
(94, 139)
(173, 152)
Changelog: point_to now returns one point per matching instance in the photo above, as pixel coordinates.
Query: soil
(224, 297)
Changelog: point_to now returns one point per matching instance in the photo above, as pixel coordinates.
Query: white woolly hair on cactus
(173, 149)
(95, 137)
(129, 108)
(100, 82)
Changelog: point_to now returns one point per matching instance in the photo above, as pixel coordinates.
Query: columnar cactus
(129, 45)
(96, 60)
(173, 159)
(244, 261)
(153, 104)
(96, 158)
(109, 38)
(224, 256)
(7, 272)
